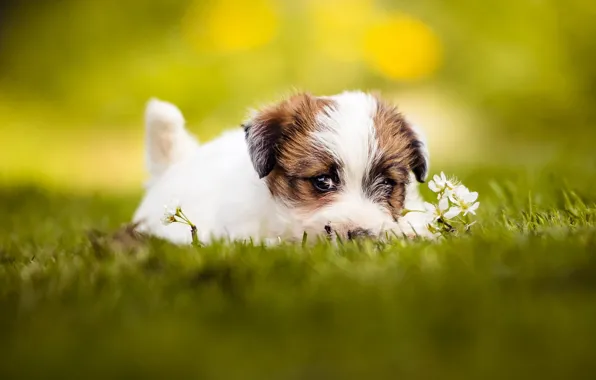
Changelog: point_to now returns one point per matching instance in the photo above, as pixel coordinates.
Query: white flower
(171, 211)
(173, 214)
(172, 207)
(432, 209)
(438, 183)
(167, 219)
(441, 210)
(472, 209)
(452, 212)
(434, 186)
(454, 199)
(441, 185)
(461, 192)
(465, 200)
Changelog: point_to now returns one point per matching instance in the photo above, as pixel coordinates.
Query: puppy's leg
(167, 139)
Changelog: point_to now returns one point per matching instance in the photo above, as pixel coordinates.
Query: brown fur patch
(398, 153)
(395, 136)
(283, 131)
(297, 158)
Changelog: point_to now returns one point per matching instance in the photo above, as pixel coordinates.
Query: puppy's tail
(167, 139)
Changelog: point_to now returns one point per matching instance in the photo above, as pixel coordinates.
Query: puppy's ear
(392, 126)
(266, 129)
(420, 160)
(261, 138)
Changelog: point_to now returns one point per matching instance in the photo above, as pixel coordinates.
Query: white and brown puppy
(344, 165)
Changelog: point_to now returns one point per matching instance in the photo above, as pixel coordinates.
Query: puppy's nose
(358, 233)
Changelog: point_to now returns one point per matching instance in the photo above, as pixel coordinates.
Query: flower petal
(472, 209)
(462, 190)
(172, 206)
(470, 197)
(167, 220)
(429, 207)
(447, 196)
(443, 204)
(433, 186)
(452, 213)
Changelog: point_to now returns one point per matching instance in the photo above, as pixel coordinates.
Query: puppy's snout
(350, 234)
(358, 233)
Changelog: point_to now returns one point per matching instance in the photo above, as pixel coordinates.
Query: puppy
(339, 166)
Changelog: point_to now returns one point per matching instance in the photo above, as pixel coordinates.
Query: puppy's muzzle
(359, 233)
(351, 234)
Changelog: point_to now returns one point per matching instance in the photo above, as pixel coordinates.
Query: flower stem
(183, 217)
(449, 226)
(193, 232)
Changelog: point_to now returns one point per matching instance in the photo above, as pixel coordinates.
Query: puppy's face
(340, 164)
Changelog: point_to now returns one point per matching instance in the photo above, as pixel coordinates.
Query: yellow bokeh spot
(402, 48)
(339, 26)
(231, 25)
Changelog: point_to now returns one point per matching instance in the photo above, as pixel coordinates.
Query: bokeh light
(402, 47)
(231, 25)
(339, 27)
(512, 78)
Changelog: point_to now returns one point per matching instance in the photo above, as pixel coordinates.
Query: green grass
(514, 299)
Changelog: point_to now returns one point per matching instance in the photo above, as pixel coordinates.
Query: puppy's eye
(323, 183)
(388, 182)
(387, 186)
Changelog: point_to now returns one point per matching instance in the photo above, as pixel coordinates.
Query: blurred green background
(508, 82)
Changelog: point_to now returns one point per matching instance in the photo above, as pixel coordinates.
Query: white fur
(166, 138)
(348, 131)
(220, 192)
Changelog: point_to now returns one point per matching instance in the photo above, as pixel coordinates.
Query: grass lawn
(514, 299)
